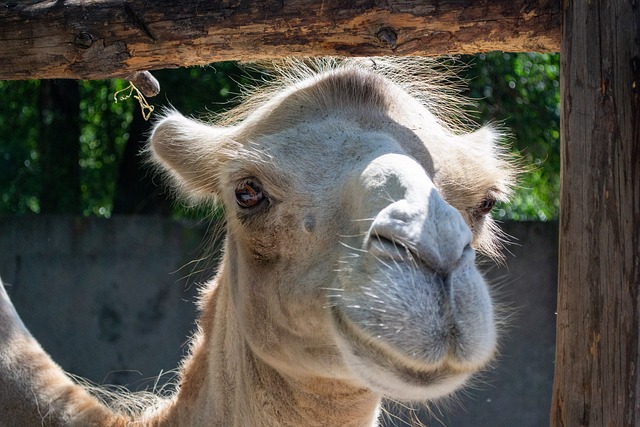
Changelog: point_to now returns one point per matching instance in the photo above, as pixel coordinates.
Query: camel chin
(424, 346)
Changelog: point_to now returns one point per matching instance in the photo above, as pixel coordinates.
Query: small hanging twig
(145, 108)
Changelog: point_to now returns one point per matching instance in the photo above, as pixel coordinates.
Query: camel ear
(497, 163)
(484, 139)
(190, 152)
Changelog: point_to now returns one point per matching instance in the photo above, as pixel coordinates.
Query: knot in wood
(388, 35)
(83, 40)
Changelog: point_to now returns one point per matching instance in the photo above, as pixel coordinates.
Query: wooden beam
(597, 381)
(96, 39)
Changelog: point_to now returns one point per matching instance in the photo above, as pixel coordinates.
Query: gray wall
(112, 301)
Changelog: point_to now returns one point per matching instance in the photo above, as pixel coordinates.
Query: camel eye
(485, 206)
(249, 194)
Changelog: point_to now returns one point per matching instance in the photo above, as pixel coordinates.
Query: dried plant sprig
(145, 108)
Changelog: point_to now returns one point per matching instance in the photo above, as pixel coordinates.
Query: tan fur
(353, 280)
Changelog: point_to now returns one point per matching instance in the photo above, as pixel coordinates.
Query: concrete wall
(112, 301)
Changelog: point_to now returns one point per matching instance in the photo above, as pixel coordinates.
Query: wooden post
(597, 382)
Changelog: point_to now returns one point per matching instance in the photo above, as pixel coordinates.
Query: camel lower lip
(409, 371)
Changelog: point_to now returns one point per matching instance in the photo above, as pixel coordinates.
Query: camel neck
(226, 384)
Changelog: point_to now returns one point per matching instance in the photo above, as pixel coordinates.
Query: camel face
(352, 217)
(362, 264)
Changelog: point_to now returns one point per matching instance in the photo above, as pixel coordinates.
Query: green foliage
(520, 91)
(104, 124)
(19, 168)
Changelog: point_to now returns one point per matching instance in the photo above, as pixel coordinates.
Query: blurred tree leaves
(519, 91)
(103, 126)
(19, 166)
(105, 132)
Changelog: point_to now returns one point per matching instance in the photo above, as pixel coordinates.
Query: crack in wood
(137, 21)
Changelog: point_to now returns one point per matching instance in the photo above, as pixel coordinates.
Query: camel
(353, 217)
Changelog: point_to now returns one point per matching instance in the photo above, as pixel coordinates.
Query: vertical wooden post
(597, 380)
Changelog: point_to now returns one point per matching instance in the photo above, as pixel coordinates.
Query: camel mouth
(394, 374)
(410, 333)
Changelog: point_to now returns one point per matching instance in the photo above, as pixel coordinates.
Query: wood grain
(598, 324)
(95, 39)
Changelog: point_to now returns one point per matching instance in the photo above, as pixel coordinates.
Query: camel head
(353, 217)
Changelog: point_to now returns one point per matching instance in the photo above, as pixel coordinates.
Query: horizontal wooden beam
(94, 39)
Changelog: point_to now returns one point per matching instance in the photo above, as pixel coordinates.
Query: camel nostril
(387, 248)
(435, 237)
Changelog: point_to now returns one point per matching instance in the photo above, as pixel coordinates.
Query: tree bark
(598, 325)
(136, 192)
(107, 38)
(59, 147)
